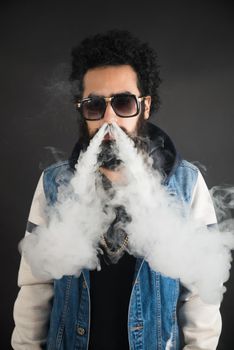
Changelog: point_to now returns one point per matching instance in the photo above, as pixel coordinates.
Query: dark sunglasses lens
(93, 109)
(125, 105)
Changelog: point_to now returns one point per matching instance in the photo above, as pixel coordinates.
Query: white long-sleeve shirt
(200, 322)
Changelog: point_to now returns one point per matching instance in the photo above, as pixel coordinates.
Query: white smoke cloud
(70, 240)
(171, 242)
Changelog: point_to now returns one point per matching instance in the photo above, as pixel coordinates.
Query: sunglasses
(124, 106)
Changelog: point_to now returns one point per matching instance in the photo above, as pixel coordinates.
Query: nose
(109, 116)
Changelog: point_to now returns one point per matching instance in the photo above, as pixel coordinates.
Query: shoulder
(185, 173)
(58, 167)
(58, 171)
(186, 168)
(55, 175)
(184, 179)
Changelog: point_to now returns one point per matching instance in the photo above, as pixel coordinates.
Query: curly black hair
(117, 47)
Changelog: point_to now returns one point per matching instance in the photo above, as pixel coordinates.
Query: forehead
(110, 80)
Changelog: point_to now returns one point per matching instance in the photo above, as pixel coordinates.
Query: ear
(147, 101)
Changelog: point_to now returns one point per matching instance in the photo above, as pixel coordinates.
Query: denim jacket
(152, 314)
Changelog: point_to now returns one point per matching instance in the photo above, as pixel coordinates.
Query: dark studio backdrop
(194, 41)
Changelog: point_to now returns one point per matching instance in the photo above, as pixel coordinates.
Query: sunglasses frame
(107, 100)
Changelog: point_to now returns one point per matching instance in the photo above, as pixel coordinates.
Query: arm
(201, 323)
(33, 304)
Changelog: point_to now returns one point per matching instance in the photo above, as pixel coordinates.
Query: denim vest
(152, 314)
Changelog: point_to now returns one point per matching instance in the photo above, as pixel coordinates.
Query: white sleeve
(33, 304)
(201, 323)
(202, 208)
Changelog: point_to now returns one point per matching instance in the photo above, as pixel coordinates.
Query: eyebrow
(93, 94)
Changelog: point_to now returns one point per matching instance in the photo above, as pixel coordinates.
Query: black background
(194, 41)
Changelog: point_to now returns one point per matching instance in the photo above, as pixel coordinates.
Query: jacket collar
(162, 150)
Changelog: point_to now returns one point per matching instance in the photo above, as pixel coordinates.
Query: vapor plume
(160, 229)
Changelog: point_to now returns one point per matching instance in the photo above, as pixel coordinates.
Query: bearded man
(115, 80)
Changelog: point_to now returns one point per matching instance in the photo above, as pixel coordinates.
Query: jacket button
(84, 284)
(80, 330)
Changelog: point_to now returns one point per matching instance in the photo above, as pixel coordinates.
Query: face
(107, 81)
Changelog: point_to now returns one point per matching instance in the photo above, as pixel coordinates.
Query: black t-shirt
(110, 291)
